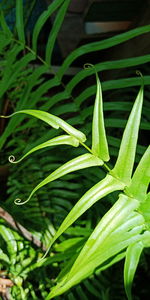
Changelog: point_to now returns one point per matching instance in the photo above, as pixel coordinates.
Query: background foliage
(29, 81)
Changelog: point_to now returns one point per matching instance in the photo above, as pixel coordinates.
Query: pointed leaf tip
(125, 161)
(59, 140)
(99, 141)
(131, 262)
(81, 162)
(141, 178)
(53, 121)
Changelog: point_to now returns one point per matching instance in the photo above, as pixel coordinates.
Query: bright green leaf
(4, 257)
(144, 209)
(98, 191)
(53, 121)
(131, 262)
(99, 141)
(141, 178)
(103, 244)
(78, 163)
(124, 165)
(59, 140)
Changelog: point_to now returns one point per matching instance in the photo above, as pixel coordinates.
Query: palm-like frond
(29, 86)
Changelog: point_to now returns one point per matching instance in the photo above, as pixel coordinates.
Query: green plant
(29, 81)
(124, 230)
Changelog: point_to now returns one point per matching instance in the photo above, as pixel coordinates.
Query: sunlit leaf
(98, 191)
(125, 161)
(59, 140)
(131, 262)
(141, 177)
(53, 121)
(99, 141)
(78, 163)
(103, 244)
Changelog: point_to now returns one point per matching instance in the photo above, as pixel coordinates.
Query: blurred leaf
(19, 20)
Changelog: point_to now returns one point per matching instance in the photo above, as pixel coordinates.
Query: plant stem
(104, 165)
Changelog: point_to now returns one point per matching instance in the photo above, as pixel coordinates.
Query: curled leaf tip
(140, 74)
(88, 65)
(18, 201)
(12, 159)
(2, 116)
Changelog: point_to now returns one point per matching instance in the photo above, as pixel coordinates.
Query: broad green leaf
(141, 178)
(53, 121)
(78, 163)
(125, 161)
(59, 140)
(99, 141)
(131, 262)
(19, 20)
(98, 191)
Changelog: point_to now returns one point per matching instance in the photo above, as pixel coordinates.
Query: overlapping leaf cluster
(123, 227)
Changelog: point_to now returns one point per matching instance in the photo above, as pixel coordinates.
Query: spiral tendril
(18, 201)
(11, 159)
(88, 66)
(139, 73)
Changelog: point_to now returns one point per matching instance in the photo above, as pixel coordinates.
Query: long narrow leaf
(104, 44)
(4, 25)
(78, 163)
(54, 32)
(59, 140)
(53, 121)
(107, 65)
(111, 220)
(141, 177)
(41, 21)
(124, 165)
(131, 262)
(100, 246)
(99, 141)
(98, 191)
(19, 20)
